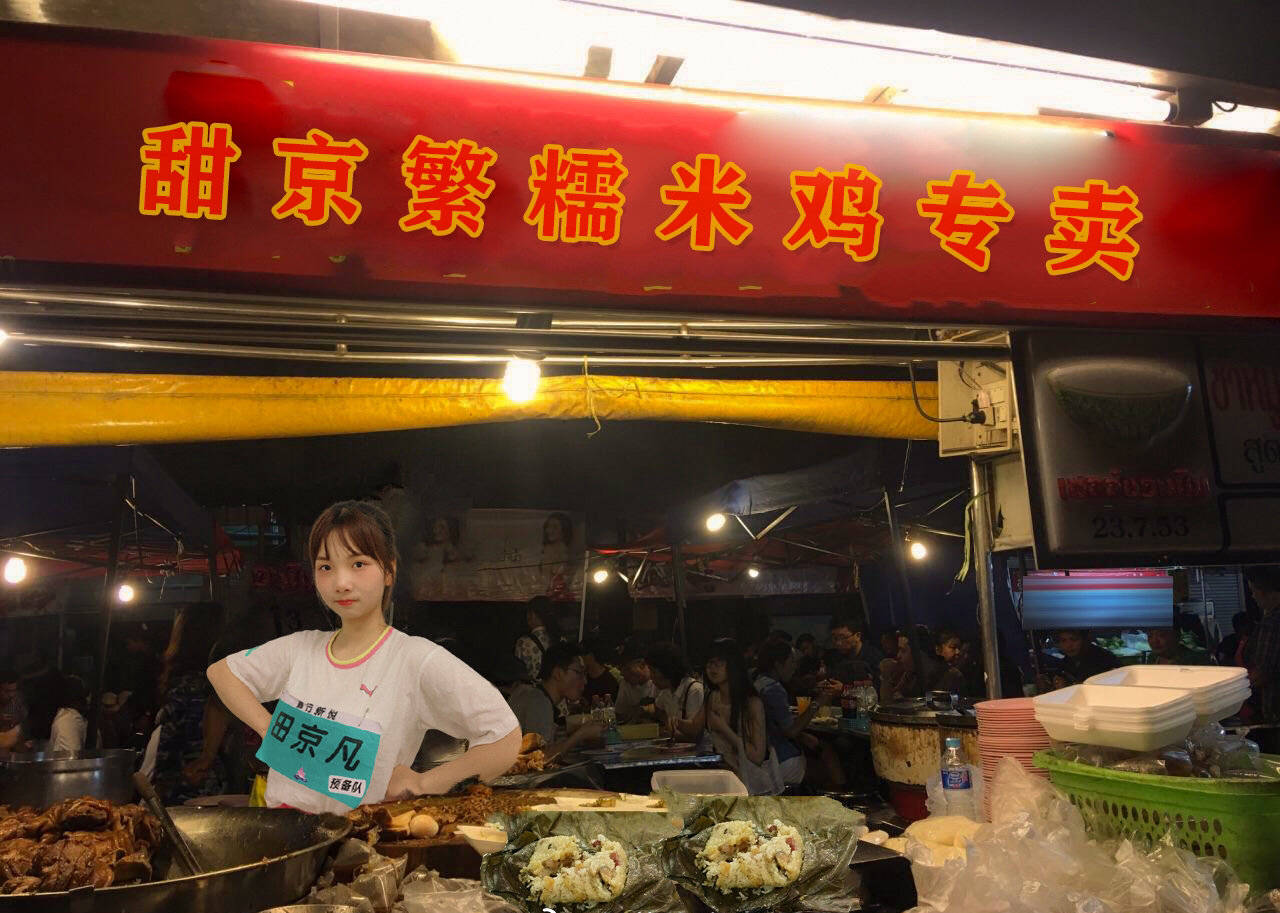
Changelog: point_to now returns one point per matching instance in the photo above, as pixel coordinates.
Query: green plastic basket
(1235, 820)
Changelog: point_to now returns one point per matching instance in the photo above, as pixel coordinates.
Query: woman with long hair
(734, 715)
(353, 705)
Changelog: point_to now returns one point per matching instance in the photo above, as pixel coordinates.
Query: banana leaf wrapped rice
(604, 862)
(767, 854)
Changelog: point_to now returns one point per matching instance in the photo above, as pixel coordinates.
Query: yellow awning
(43, 409)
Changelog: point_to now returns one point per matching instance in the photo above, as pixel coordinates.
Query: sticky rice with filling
(739, 857)
(564, 870)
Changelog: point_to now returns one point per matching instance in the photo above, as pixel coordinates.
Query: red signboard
(233, 166)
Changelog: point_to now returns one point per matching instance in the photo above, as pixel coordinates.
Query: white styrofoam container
(1217, 691)
(698, 782)
(1117, 716)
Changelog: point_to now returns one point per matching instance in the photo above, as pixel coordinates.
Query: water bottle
(957, 781)
(611, 735)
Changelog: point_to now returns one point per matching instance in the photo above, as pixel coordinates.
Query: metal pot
(43, 778)
(253, 856)
(907, 738)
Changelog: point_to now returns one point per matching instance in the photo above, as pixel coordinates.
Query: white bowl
(483, 839)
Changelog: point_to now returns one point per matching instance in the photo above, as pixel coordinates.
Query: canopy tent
(61, 505)
(830, 514)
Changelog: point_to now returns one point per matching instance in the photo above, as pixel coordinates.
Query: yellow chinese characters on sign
(1091, 226)
(708, 197)
(186, 170)
(966, 216)
(318, 176)
(837, 207)
(576, 195)
(448, 183)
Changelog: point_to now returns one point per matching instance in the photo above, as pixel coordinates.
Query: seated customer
(1167, 649)
(957, 675)
(680, 695)
(776, 664)
(636, 692)
(563, 679)
(602, 679)
(1081, 656)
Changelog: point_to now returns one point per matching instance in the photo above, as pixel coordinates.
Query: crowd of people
(752, 703)
(157, 702)
(1254, 644)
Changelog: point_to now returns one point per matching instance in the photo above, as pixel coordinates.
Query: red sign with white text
(219, 165)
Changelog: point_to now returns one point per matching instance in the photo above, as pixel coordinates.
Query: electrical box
(966, 388)
(1010, 503)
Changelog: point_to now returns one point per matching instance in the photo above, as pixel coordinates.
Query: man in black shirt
(851, 658)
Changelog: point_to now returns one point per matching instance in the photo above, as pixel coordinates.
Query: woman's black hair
(566, 528)
(772, 655)
(73, 693)
(740, 688)
(542, 607)
(666, 659)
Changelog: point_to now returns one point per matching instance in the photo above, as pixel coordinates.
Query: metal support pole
(980, 526)
(582, 609)
(897, 547)
(213, 559)
(681, 586)
(123, 492)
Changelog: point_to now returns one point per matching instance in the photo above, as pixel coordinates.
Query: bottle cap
(953, 742)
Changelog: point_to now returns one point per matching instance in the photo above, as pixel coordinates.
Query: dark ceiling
(636, 470)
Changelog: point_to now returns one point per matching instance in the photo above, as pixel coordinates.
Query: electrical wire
(915, 397)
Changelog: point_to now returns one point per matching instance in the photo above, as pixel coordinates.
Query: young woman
(354, 705)
(734, 715)
(680, 696)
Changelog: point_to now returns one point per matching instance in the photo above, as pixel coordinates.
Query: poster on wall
(496, 556)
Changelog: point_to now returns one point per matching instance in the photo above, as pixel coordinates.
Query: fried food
(373, 823)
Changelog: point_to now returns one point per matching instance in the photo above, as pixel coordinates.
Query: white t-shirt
(406, 685)
(685, 701)
(68, 730)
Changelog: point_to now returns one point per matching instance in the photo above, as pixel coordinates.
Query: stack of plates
(1008, 728)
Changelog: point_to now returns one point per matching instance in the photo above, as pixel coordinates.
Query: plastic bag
(426, 892)
(1036, 857)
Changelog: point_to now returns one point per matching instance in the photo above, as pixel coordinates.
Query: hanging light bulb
(15, 570)
(918, 551)
(600, 575)
(520, 381)
(716, 522)
(125, 593)
(753, 572)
